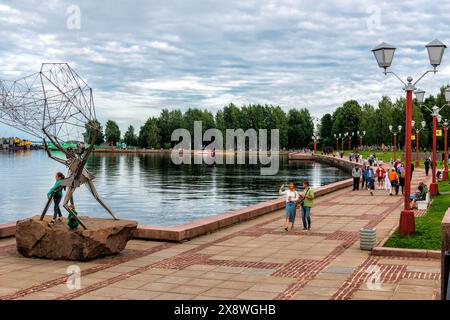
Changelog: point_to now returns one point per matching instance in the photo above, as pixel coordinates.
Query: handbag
(299, 203)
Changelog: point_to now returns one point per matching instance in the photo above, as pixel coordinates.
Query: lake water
(149, 188)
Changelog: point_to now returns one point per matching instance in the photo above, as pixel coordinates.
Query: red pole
(445, 172)
(349, 143)
(342, 145)
(315, 147)
(417, 149)
(434, 189)
(337, 144)
(395, 146)
(407, 223)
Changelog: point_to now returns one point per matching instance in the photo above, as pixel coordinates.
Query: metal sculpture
(56, 104)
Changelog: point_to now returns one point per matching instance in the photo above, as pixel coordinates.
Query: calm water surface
(149, 188)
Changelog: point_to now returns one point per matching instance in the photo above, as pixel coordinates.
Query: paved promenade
(253, 260)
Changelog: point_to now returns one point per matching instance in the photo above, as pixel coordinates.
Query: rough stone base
(103, 237)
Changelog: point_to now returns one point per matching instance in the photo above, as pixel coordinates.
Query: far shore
(168, 151)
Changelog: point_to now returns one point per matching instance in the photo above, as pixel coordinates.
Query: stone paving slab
(256, 259)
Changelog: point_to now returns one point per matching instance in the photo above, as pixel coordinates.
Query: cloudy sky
(142, 56)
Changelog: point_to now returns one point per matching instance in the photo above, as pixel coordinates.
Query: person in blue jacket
(57, 192)
(370, 179)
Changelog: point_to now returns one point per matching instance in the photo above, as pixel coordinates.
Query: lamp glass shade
(420, 95)
(423, 123)
(413, 123)
(390, 128)
(399, 128)
(435, 52)
(384, 54)
(435, 110)
(447, 94)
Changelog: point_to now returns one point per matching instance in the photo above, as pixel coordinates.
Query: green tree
(129, 137)
(193, 114)
(232, 117)
(326, 129)
(165, 126)
(149, 135)
(347, 119)
(300, 128)
(369, 125)
(93, 127)
(112, 132)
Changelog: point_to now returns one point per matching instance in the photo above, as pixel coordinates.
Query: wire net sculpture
(56, 104)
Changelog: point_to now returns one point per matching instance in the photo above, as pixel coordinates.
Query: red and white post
(434, 188)
(445, 172)
(407, 223)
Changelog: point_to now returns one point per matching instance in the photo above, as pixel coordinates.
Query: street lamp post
(434, 188)
(395, 139)
(350, 135)
(360, 135)
(423, 124)
(315, 138)
(342, 142)
(337, 142)
(445, 171)
(384, 53)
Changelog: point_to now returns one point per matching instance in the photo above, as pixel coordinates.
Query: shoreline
(201, 226)
(169, 151)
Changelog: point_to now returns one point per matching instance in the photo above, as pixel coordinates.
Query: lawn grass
(428, 227)
(386, 156)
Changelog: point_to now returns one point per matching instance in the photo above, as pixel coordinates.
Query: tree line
(295, 127)
(375, 121)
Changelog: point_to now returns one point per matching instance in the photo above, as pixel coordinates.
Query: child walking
(56, 190)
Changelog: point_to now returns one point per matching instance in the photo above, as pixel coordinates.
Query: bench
(423, 205)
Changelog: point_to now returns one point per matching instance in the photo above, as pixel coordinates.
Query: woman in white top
(292, 197)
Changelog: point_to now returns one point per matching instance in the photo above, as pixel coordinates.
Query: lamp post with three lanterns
(384, 54)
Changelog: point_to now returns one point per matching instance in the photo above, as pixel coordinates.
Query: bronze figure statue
(56, 104)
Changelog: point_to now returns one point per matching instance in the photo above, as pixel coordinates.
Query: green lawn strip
(444, 186)
(428, 227)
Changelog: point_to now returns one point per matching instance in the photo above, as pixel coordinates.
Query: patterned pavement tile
(256, 259)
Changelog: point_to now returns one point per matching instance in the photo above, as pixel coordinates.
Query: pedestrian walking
(363, 176)
(393, 179)
(401, 172)
(370, 174)
(356, 174)
(292, 197)
(308, 197)
(380, 173)
(427, 164)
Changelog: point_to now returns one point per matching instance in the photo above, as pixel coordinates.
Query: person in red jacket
(380, 173)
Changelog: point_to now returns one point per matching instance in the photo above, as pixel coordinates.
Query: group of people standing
(296, 200)
(391, 179)
(372, 174)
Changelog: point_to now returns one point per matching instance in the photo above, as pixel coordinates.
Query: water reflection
(149, 188)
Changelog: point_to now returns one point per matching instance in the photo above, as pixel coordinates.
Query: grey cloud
(142, 56)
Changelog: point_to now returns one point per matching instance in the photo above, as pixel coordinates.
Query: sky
(142, 56)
